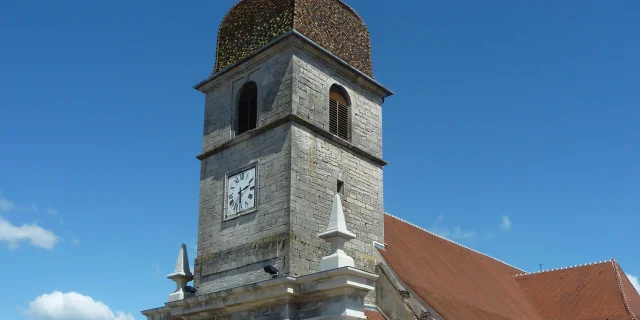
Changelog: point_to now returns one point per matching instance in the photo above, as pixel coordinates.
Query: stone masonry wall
(273, 76)
(316, 166)
(318, 163)
(233, 252)
(312, 80)
(390, 300)
(266, 312)
(298, 172)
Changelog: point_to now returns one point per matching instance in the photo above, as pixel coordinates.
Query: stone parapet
(332, 294)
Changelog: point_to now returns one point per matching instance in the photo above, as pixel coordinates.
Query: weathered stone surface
(396, 300)
(333, 294)
(237, 249)
(312, 79)
(390, 300)
(181, 275)
(298, 171)
(272, 73)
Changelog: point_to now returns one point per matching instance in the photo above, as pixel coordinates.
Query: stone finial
(336, 234)
(181, 275)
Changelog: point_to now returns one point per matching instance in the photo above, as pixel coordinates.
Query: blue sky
(520, 110)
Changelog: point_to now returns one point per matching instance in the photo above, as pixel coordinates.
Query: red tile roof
(597, 291)
(460, 283)
(457, 282)
(373, 315)
(630, 293)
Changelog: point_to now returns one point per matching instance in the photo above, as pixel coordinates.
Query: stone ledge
(285, 40)
(298, 120)
(331, 294)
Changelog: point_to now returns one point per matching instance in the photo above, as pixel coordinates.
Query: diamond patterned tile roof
(332, 24)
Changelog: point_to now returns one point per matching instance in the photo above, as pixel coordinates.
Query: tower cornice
(302, 122)
(295, 38)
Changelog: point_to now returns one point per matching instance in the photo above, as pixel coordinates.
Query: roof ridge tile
(616, 270)
(449, 240)
(563, 268)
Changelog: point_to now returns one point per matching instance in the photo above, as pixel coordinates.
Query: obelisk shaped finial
(181, 275)
(182, 265)
(336, 234)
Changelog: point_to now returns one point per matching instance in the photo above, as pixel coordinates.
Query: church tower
(291, 220)
(293, 115)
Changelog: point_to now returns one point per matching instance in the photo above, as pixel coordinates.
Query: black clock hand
(248, 185)
(240, 199)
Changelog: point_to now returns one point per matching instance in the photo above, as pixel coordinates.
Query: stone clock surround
(299, 166)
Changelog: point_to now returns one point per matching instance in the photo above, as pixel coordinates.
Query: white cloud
(52, 211)
(71, 306)
(75, 242)
(6, 205)
(634, 282)
(506, 223)
(443, 232)
(456, 233)
(32, 233)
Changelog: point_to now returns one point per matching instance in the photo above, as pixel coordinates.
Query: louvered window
(338, 113)
(247, 108)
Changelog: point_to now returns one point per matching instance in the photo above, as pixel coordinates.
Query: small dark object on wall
(273, 271)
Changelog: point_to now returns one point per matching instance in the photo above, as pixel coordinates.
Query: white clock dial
(241, 192)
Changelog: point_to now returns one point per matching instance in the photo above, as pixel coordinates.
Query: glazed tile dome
(332, 24)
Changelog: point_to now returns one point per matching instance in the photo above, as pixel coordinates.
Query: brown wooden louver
(338, 115)
(247, 108)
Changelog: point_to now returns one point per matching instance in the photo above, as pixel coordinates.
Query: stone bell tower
(293, 116)
(291, 174)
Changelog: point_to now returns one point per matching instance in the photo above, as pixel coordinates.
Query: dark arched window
(247, 108)
(339, 112)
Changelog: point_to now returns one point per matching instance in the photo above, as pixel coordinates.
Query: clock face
(241, 192)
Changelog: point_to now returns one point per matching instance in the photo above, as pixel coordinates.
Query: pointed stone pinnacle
(337, 225)
(338, 235)
(182, 265)
(181, 275)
